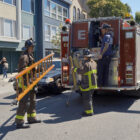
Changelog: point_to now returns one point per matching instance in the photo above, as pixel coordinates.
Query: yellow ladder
(40, 68)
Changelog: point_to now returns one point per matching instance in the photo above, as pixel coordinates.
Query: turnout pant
(87, 102)
(27, 104)
(103, 71)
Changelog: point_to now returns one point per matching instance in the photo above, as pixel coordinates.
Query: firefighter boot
(22, 126)
(34, 121)
(84, 114)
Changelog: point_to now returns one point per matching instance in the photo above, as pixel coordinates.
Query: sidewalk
(9, 75)
(6, 86)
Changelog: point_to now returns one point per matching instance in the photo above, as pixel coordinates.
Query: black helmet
(87, 53)
(105, 26)
(29, 43)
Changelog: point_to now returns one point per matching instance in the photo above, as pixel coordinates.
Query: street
(116, 118)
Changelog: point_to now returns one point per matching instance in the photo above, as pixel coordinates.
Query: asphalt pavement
(116, 117)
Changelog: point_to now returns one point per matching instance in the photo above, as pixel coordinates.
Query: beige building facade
(77, 10)
(10, 21)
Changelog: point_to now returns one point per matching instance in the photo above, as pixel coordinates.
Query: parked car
(51, 82)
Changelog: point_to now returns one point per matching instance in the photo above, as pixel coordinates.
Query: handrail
(29, 77)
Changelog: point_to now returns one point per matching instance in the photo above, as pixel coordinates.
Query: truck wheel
(59, 87)
(58, 83)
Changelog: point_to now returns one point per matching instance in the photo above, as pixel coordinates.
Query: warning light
(127, 15)
(67, 21)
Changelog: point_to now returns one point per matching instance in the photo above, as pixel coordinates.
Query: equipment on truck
(124, 68)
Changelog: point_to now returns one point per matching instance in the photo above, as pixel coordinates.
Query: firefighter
(28, 103)
(105, 55)
(88, 82)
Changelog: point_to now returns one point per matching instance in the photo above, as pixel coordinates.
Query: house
(17, 23)
(78, 10)
(50, 15)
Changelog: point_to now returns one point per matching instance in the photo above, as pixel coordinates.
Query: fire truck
(124, 69)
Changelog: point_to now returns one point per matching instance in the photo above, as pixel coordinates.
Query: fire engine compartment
(93, 42)
(124, 68)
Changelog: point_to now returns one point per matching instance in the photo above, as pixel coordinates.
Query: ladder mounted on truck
(32, 75)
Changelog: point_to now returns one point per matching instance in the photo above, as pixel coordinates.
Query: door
(127, 57)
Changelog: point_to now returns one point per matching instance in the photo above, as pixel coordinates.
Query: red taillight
(65, 68)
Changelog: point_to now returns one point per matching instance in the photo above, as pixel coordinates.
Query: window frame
(50, 36)
(31, 31)
(63, 14)
(2, 27)
(45, 9)
(12, 29)
(58, 15)
(74, 11)
(57, 5)
(78, 14)
(9, 3)
(45, 33)
(55, 13)
(52, 26)
(30, 8)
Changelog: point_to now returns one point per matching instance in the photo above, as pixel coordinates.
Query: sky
(134, 4)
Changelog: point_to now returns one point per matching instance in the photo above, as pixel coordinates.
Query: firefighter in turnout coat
(88, 82)
(26, 59)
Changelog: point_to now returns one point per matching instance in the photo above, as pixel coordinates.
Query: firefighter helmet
(87, 53)
(29, 43)
(105, 26)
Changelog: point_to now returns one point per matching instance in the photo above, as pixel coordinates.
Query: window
(7, 28)
(74, 13)
(32, 6)
(13, 2)
(59, 13)
(27, 32)
(8, 1)
(1, 27)
(47, 7)
(53, 10)
(53, 31)
(78, 13)
(84, 16)
(50, 32)
(28, 6)
(14, 29)
(65, 14)
(47, 32)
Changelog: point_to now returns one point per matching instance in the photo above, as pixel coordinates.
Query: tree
(137, 17)
(106, 8)
(128, 8)
(56, 40)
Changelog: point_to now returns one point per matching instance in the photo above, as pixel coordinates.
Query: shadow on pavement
(11, 96)
(4, 129)
(59, 113)
(58, 110)
(4, 103)
(113, 103)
